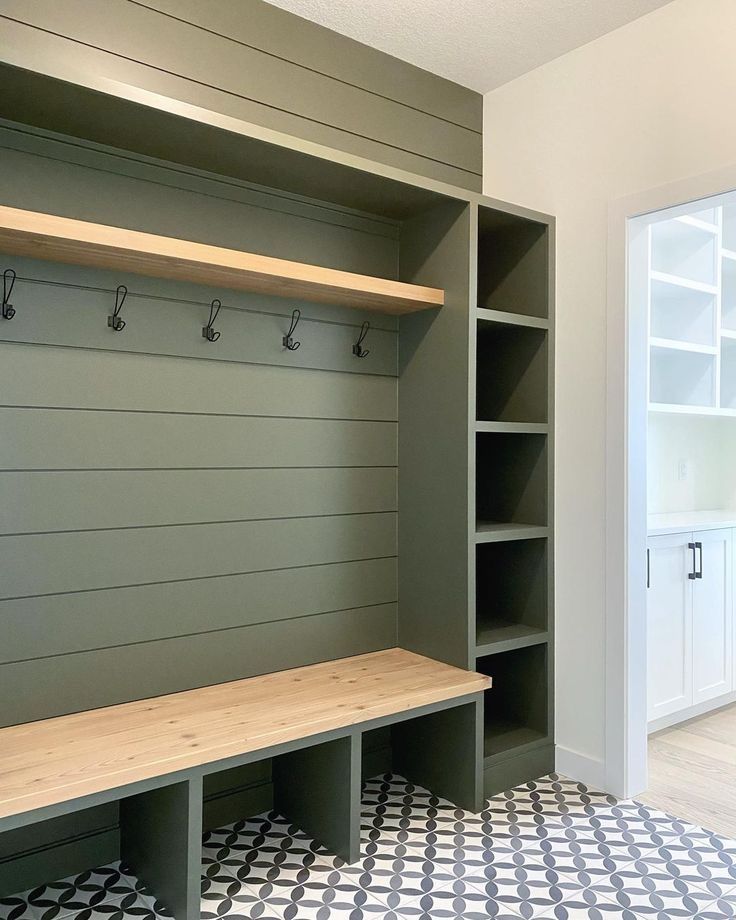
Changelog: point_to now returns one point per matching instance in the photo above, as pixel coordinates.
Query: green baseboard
(503, 775)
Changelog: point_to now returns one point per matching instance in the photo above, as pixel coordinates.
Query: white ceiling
(478, 43)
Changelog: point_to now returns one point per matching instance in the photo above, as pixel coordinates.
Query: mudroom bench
(151, 755)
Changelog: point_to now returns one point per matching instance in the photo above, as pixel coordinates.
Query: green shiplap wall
(175, 513)
(263, 65)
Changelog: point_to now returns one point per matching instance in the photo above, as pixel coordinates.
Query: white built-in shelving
(691, 278)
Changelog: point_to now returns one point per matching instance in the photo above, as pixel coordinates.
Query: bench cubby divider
(161, 841)
(318, 788)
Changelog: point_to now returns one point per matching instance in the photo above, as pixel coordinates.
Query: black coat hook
(116, 322)
(288, 341)
(207, 331)
(358, 349)
(8, 282)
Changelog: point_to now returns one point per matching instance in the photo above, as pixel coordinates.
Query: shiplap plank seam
(201, 632)
(164, 525)
(172, 581)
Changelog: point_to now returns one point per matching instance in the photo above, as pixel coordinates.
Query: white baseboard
(580, 767)
(690, 712)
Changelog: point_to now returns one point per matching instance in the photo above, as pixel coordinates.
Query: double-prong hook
(358, 349)
(208, 332)
(8, 282)
(116, 322)
(288, 340)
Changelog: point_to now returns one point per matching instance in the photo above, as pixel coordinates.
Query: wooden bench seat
(152, 754)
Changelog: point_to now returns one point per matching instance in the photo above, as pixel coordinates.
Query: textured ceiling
(478, 43)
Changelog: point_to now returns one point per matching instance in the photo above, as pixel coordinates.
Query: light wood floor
(692, 771)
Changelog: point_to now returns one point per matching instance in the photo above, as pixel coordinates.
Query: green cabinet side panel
(434, 440)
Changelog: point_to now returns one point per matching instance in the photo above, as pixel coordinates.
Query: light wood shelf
(61, 239)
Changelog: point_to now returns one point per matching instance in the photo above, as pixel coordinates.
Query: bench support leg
(443, 751)
(161, 841)
(318, 788)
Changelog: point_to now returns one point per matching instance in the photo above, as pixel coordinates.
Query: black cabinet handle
(699, 573)
(692, 575)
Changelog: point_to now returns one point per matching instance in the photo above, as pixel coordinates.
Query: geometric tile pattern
(548, 850)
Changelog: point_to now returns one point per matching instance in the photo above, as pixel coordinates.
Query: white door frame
(626, 487)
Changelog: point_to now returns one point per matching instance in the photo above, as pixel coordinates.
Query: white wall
(648, 104)
(707, 447)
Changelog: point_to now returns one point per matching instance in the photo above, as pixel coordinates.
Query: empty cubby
(684, 250)
(729, 227)
(511, 478)
(517, 707)
(511, 373)
(728, 373)
(728, 294)
(513, 264)
(684, 378)
(682, 314)
(512, 603)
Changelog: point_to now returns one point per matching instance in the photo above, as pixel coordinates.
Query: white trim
(580, 767)
(626, 388)
(691, 712)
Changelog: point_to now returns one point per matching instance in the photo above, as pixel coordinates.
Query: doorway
(671, 429)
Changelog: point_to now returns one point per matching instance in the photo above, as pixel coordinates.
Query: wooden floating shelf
(61, 239)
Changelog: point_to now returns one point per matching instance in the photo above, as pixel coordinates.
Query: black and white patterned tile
(548, 850)
(108, 891)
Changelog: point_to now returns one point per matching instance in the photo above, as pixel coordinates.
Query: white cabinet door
(712, 619)
(669, 625)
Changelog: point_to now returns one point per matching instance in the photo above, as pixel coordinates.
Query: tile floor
(549, 849)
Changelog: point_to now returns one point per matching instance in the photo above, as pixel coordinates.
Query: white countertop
(685, 521)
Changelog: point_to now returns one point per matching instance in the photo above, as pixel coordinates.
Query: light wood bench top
(57, 760)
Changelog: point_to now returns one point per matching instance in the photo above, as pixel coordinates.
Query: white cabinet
(689, 621)
(669, 625)
(712, 619)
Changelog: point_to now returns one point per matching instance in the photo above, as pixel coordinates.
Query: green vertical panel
(161, 841)
(318, 788)
(442, 751)
(434, 439)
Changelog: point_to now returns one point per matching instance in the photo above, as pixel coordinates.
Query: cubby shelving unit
(513, 489)
(691, 292)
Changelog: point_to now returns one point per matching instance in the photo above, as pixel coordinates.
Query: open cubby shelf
(517, 713)
(686, 378)
(29, 233)
(512, 599)
(513, 264)
(686, 250)
(511, 373)
(511, 479)
(683, 314)
(691, 276)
